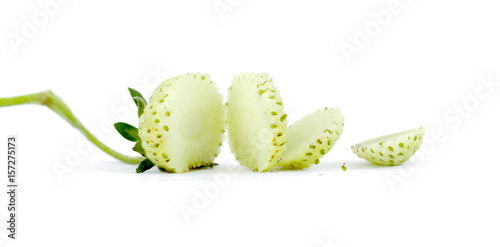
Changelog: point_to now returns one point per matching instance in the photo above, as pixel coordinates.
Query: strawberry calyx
(131, 133)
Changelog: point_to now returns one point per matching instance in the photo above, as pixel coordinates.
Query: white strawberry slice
(310, 138)
(256, 121)
(183, 124)
(391, 149)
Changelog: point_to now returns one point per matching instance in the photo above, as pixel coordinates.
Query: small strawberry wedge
(390, 150)
(310, 138)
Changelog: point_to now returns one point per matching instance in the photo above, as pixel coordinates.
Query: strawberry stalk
(52, 101)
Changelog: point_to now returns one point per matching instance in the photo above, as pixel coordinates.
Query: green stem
(53, 102)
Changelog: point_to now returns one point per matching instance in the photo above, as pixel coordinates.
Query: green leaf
(128, 131)
(135, 93)
(145, 165)
(141, 104)
(138, 148)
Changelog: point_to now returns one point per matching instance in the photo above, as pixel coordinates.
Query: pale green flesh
(255, 130)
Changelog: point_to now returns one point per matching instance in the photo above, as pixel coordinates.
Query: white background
(418, 69)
